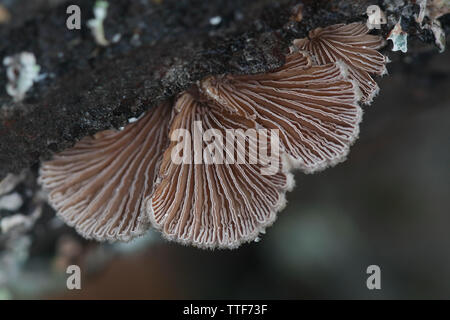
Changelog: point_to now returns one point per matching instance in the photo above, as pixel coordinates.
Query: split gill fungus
(116, 184)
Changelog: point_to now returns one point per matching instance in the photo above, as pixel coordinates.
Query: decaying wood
(162, 48)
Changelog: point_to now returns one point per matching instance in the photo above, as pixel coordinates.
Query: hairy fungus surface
(214, 204)
(202, 188)
(315, 108)
(98, 186)
(352, 45)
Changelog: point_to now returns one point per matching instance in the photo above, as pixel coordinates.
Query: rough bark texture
(165, 47)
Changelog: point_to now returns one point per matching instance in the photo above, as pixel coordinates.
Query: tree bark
(165, 47)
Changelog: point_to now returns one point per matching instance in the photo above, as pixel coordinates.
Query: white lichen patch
(215, 20)
(11, 202)
(116, 38)
(399, 38)
(19, 223)
(21, 71)
(96, 25)
(10, 182)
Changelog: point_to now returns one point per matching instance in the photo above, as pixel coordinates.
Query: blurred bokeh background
(388, 204)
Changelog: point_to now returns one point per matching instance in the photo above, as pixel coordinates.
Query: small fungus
(215, 20)
(352, 45)
(11, 202)
(98, 186)
(214, 205)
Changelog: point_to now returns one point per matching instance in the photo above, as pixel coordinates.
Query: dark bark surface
(165, 47)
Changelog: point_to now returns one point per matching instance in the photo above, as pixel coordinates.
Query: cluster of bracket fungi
(117, 183)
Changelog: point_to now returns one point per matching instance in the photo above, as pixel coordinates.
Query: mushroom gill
(214, 204)
(98, 186)
(201, 189)
(315, 108)
(353, 45)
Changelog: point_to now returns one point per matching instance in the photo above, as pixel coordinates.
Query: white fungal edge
(299, 164)
(142, 225)
(439, 35)
(399, 38)
(253, 236)
(375, 92)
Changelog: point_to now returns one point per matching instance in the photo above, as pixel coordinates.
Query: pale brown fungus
(113, 185)
(213, 205)
(352, 45)
(315, 108)
(98, 186)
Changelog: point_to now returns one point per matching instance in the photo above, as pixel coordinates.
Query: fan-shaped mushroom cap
(98, 186)
(353, 45)
(315, 108)
(213, 205)
(105, 185)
